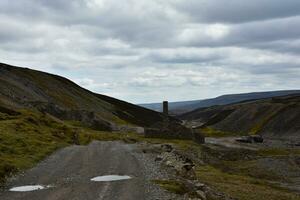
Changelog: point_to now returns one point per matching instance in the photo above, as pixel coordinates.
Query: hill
(25, 88)
(177, 108)
(42, 112)
(276, 117)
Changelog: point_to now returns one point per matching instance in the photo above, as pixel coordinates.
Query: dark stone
(199, 138)
(158, 158)
(171, 130)
(166, 147)
(257, 138)
(245, 139)
(251, 139)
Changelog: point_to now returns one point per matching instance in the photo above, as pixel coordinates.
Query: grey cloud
(142, 50)
(184, 55)
(237, 11)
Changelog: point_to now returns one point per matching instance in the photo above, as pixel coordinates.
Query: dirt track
(69, 172)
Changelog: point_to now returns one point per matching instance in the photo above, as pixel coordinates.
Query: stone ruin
(172, 129)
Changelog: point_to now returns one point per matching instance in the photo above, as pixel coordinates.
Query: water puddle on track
(110, 178)
(28, 188)
(107, 178)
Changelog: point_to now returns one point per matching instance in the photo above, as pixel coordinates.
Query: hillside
(25, 88)
(277, 117)
(41, 112)
(178, 108)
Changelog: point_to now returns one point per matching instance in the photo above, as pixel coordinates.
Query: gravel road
(68, 172)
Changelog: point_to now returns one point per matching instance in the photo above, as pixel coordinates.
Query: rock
(169, 163)
(188, 171)
(199, 186)
(257, 138)
(244, 139)
(198, 138)
(158, 158)
(130, 140)
(188, 166)
(201, 194)
(166, 147)
(251, 139)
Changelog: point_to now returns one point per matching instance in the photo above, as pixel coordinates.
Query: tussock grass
(242, 187)
(172, 186)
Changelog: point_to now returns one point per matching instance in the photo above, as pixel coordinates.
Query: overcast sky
(154, 50)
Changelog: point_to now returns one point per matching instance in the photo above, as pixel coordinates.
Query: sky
(146, 51)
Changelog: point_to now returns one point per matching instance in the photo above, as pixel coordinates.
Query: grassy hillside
(26, 137)
(274, 117)
(26, 88)
(41, 112)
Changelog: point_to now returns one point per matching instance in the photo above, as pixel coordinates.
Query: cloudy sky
(152, 50)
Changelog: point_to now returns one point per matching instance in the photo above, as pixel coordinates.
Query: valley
(70, 143)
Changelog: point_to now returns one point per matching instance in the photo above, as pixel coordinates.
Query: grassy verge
(29, 137)
(242, 187)
(172, 186)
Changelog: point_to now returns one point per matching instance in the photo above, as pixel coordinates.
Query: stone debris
(184, 169)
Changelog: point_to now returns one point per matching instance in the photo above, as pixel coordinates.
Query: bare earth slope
(277, 117)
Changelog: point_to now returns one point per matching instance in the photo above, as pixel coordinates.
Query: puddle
(110, 178)
(28, 188)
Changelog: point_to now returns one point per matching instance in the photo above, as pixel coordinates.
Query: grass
(259, 126)
(172, 186)
(28, 138)
(278, 152)
(242, 187)
(211, 132)
(249, 168)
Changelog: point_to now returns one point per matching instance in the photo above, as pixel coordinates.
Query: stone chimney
(166, 108)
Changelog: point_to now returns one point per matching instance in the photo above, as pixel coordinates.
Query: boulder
(166, 147)
(251, 139)
(257, 138)
(244, 139)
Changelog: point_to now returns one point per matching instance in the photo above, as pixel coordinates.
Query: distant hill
(276, 117)
(177, 108)
(25, 88)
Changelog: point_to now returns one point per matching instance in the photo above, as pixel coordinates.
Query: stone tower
(166, 108)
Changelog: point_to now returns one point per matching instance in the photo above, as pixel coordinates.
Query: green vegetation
(249, 168)
(277, 152)
(27, 138)
(258, 127)
(173, 186)
(211, 132)
(242, 187)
